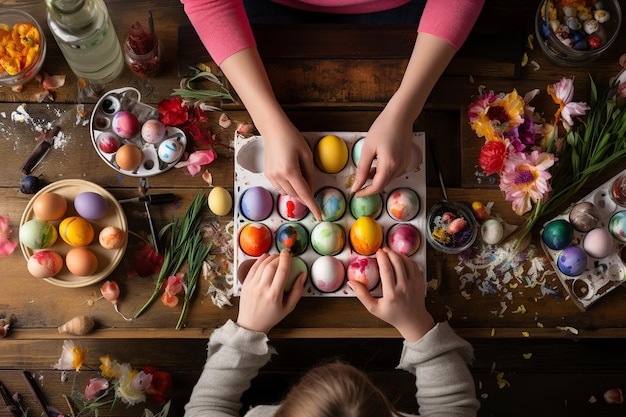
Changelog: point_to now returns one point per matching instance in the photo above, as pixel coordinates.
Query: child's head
(335, 390)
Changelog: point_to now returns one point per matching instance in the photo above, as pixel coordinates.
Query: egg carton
(249, 157)
(601, 275)
(129, 99)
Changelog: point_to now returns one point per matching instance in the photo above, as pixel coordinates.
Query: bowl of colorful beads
(576, 33)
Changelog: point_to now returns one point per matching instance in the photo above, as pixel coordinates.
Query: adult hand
(389, 142)
(289, 165)
(263, 302)
(402, 304)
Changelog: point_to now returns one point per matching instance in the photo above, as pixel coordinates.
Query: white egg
(598, 243)
(170, 150)
(491, 231)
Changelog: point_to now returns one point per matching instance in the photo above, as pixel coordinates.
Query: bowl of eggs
(574, 35)
(22, 47)
(73, 233)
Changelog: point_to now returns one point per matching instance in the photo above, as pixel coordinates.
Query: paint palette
(586, 244)
(345, 241)
(127, 135)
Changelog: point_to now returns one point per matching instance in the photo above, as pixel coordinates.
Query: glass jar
(142, 51)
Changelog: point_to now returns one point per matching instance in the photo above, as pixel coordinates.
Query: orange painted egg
(111, 237)
(81, 261)
(49, 206)
(255, 239)
(76, 231)
(366, 236)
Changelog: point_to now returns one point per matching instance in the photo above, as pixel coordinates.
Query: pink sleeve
(450, 20)
(222, 25)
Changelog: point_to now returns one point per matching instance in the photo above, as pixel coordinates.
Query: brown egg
(81, 261)
(128, 157)
(49, 206)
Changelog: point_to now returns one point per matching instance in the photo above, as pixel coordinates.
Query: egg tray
(129, 99)
(602, 275)
(249, 172)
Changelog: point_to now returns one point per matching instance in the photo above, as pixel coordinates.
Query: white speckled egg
(491, 231)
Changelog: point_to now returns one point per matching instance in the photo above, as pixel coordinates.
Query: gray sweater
(438, 360)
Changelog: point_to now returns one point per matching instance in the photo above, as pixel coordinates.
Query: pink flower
(196, 160)
(525, 179)
(6, 246)
(562, 94)
(96, 387)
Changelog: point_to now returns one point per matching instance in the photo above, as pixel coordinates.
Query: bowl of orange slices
(22, 47)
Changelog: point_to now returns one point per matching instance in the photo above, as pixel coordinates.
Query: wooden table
(322, 90)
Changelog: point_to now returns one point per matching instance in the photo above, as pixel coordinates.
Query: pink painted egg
(404, 238)
(125, 124)
(153, 131)
(327, 274)
(44, 264)
(364, 270)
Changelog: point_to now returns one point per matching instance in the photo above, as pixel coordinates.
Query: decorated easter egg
(491, 231)
(617, 225)
(291, 208)
(332, 202)
(91, 206)
(76, 231)
(584, 216)
(170, 150)
(598, 242)
(327, 274)
(111, 237)
(331, 154)
(296, 267)
(328, 238)
(293, 237)
(108, 142)
(572, 261)
(256, 203)
(364, 270)
(255, 239)
(153, 131)
(44, 264)
(371, 205)
(404, 238)
(38, 234)
(128, 157)
(403, 204)
(220, 201)
(49, 206)
(366, 235)
(125, 124)
(557, 234)
(81, 261)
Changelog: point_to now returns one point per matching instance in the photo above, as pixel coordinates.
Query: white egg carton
(129, 99)
(249, 162)
(602, 275)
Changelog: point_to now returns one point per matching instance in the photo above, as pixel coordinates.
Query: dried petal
(614, 396)
(110, 291)
(96, 387)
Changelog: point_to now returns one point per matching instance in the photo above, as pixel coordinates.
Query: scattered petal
(520, 309)
(196, 160)
(525, 334)
(592, 400)
(493, 331)
(614, 396)
(207, 177)
(527, 355)
(224, 121)
(52, 82)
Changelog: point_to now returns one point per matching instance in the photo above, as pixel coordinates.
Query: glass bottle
(85, 34)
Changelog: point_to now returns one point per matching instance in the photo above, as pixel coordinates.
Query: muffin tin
(128, 99)
(249, 173)
(600, 274)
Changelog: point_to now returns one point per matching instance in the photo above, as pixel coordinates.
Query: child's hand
(263, 302)
(402, 304)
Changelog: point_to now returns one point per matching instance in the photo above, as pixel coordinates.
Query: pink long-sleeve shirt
(224, 28)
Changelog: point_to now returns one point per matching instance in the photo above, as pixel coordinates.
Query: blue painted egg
(572, 261)
(558, 234)
(256, 203)
(332, 202)
(617, 226)
(293, 237)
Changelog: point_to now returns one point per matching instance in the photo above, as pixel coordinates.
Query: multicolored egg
(327, 274)
(617, 226)
(584, 216)
(293, 237)
(558, 234)
(328, 238)
(111, 237)
(291, 208)
(371, 205)
(44, 264)
(256, 203)
(255, 239)
(332, 202)
(125, 124)
(38, 234)
(403, 204)
(404, 238)
(331, 154)
(366, 236)
(108, 143)
(364, 270)
(572, 261)
(91, 206)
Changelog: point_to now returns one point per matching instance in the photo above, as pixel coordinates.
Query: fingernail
(350, 285)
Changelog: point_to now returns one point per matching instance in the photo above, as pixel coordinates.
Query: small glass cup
(618, 190)
(143, 65)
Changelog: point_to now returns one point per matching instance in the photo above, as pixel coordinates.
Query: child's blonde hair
(335, 390)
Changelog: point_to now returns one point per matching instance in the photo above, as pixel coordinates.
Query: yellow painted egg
(81, 261)
(331, 154)
(220, 201)
(76, 231)
(366, 236)
(49, 206)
